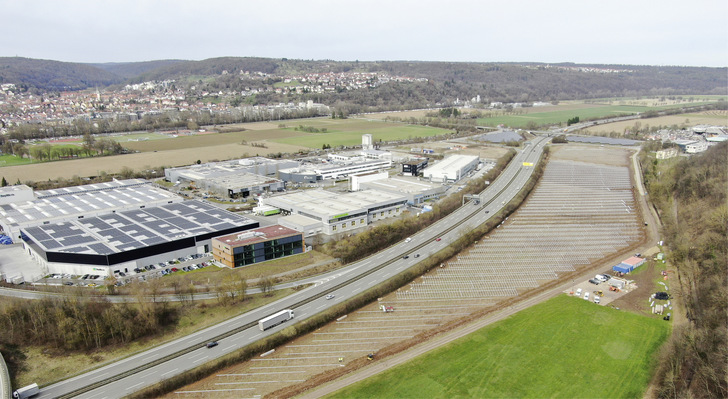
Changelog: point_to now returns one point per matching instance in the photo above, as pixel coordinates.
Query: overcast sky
(637, 32)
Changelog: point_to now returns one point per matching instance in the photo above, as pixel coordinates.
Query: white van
(596, 299)
(578, 292)
(586, 296)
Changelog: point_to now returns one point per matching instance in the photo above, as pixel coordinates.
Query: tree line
(690, 195)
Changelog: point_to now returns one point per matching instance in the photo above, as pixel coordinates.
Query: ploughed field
(579, 213)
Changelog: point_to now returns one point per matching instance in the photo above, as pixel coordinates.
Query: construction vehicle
(600, 293)
(386, 309)
(613, 288)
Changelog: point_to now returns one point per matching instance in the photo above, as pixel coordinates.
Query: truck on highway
(26, 391)
(275, 319)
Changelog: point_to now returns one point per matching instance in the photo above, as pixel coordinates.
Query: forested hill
(129, 70)
(28, 73)
(446, 81)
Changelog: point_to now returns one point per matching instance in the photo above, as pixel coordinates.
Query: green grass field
(10, 160)
(565, 347)
(556, 117)
(346, 135)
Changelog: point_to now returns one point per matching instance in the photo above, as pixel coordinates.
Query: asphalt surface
(175, 357)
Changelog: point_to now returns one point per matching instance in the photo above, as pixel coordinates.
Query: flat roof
(326, 203)
(124, 231)
(257, 235)
(242, 179)
(452, 162)
(76, 201)
(409, 186)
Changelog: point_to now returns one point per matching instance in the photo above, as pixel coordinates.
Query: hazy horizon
(621, 32)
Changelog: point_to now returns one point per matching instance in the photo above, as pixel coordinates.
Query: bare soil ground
(139, 161)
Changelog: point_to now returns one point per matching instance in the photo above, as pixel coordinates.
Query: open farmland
(579, 213)
(719, 118)
(591, 352)
(162, 150)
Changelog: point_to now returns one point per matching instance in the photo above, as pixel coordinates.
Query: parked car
(578, 292)
(595, 281)
(586, 296)
(596, 299)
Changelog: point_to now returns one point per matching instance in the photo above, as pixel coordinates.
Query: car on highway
(211, 344)
(417, 255)
(487, 211)
(438, 239)
(405, 257)
(330, 296)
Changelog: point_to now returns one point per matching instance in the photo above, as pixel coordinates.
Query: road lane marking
(169, 372)
(134, 386)
(198, 360)
(97, 377)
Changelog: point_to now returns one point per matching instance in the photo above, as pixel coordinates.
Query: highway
(131, 374)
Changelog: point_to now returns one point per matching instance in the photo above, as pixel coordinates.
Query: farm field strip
(510, 260)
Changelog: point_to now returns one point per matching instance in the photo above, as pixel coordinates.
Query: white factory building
(416, 190)
(320, 211)
(316, 173)
(200, 173)
(21, 207)
(451, 169)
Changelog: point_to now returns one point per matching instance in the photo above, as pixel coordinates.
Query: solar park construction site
(579, 213)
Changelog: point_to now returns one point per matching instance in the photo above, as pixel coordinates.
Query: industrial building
(200, 173)
(123, 241)
(414, 167)
(21, 208)
(258, 245)
(241, 185)
(416, 191)
(452, 168)
(334, 213)
(320, 172)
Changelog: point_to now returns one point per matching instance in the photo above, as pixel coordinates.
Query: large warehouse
(452, 168)
(122, 241)
(336, 212)
(22, 208)
(200, 173)
(317, 173)
(258, 245)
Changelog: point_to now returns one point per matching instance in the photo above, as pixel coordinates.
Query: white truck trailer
(26, 391)
(275, 319)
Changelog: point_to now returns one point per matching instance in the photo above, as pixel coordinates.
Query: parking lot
(151, 271)
(580, 288)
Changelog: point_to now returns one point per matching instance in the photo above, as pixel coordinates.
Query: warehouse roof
(124, 231)
(69, 202)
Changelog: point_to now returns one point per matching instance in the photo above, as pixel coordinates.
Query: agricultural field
(719, 118)
(155, 150)
(591, 351)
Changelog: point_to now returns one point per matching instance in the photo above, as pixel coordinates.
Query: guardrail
(297, 304)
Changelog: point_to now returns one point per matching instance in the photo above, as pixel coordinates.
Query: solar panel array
(70, 202)
(124, 231)
(579, 213)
